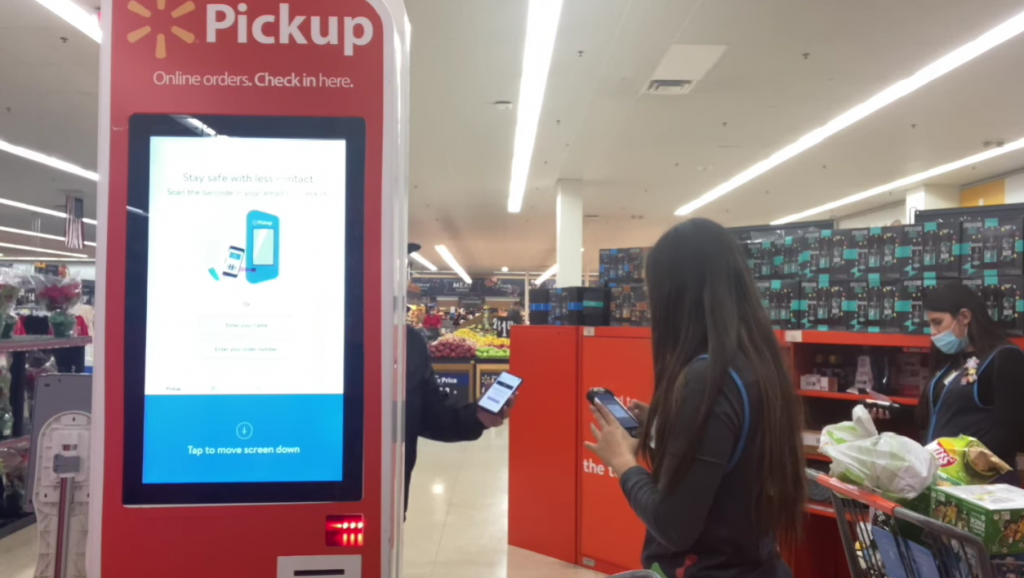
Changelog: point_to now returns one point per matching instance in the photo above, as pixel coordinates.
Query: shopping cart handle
(864, 496)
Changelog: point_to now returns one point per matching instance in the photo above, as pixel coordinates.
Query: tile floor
(457, 525)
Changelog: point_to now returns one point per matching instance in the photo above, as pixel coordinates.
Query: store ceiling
(639, 157)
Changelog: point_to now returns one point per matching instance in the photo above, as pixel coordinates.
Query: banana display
(487, 346)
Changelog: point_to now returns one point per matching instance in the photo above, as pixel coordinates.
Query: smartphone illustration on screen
(233, 262)
(263, 237)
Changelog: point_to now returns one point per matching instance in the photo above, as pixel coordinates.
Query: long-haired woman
(722, 433)
(977, 384)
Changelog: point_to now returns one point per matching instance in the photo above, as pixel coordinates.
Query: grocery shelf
(851, 396)
(854, 338)
(37, 342)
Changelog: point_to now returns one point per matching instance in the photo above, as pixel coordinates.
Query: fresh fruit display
(492, 353)
(482, 340)
(452, 347)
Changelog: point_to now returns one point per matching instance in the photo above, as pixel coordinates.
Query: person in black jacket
(722, 432)
(977, 383)
(429, 412)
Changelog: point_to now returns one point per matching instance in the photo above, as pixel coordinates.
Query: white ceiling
(637, 157)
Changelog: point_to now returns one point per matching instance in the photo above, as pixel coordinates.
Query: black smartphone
(497, 396)
(879, 404)
(606, 398)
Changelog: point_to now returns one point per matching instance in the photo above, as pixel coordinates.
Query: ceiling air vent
(681, 67)
(663, 86)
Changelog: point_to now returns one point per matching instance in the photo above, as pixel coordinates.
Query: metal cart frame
(916, 540)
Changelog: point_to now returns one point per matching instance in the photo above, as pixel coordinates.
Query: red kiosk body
(252, 160)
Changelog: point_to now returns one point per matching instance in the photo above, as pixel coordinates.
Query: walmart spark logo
(161, 39)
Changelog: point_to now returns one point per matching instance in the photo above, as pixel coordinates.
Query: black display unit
(142, 129)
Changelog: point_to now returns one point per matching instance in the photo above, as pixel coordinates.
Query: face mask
(949, 343)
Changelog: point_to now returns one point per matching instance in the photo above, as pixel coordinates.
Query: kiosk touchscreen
(243, 310)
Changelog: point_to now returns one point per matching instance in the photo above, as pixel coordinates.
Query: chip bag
(965, 461)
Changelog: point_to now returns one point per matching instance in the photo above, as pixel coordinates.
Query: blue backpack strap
(746, 421)
(984, 364)
(745, 429)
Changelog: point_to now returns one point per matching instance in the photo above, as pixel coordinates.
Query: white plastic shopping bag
(888, 464)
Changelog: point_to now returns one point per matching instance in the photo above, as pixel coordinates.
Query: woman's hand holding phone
(639, 410)
(878, 413)
(613, 444)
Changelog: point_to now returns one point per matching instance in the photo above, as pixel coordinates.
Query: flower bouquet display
(10, 290)
(58, 296)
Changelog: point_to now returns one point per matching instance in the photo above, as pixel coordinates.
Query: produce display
(452, 347)
(492, 353)
(487, 346)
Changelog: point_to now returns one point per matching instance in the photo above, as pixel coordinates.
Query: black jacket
(428, 410)
(704, 527)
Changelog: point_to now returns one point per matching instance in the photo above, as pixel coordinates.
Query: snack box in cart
(994, 513)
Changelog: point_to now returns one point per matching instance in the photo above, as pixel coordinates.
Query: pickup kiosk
(250, 289)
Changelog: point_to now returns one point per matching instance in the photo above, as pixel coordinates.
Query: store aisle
(457, 525)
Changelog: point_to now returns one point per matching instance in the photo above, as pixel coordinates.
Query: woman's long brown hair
(703, 300)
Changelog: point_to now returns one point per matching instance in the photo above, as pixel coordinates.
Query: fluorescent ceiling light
(41, 235)
(504, 269)
(541, 28)
(450, 259)
(544, 276)
(38, 250)
(906, 181)
(962, 55)
(76, 16)
(42, 210)
(423, 261)
(47, 160)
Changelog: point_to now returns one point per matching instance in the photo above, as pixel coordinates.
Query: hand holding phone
(607, 399)
(498, 398)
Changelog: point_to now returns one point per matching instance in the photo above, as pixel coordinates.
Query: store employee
(977, 383)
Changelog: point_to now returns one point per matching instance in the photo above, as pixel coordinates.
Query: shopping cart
(885, 540)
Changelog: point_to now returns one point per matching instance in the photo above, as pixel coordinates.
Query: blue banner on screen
(193, 439)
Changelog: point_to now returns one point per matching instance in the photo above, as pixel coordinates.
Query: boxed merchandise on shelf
(990, 246)
(1001, 295)
(869, 305)
(540, 306)
(910, 317)
(579, 306)
(831, 250)
(854, 263)
(759, 246)
(810, 256)
(820, 306)
(813, 382)
(883, 243)
(628, 306)
(781, 299)
(623, 266)
(939, 249)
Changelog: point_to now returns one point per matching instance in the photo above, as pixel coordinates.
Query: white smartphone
(496, 397)
(233, 262)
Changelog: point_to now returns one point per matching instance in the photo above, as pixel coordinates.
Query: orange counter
(562, 502)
